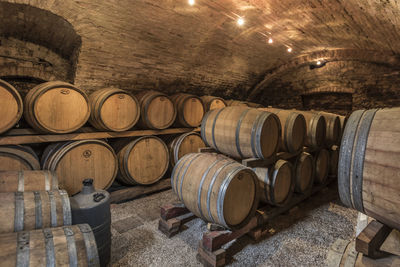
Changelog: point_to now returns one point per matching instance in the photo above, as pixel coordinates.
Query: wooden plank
(392, 243)
(371, 238)
(48, 138)
(138, 190)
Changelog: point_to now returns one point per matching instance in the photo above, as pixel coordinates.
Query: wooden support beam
(371, 238)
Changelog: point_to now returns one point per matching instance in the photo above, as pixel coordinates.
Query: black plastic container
(92, 206)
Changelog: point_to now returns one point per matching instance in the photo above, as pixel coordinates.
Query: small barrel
(316, 129)
(75, 161)
(62, 246)
(190, 110)
(184, 144)
(334, 160)
(20, 181)
(276, 183)
(321, 166)
(113, 110)
(157, 111)
(236, 103)
(304, 173)
(294, 129)
(142, 160)
(11, 106)
(241, 132)
(56, 107)
(34, 210)
(369, 170)
(333, 128)
(216, 188)
(18, 158)
(212, 102)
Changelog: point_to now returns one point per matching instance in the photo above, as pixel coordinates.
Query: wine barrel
(333, 128)
(13, 181)
(216, 188)
(34, 210)
(142, 160)
(343, 122)
(254, 105)
(294, 129)
(236, 103)
(304, 173)
(334, 160)
(184, 144)
(316, 129)
(321, 166)
(75, 161)
(369, 164)
(113, 110)
(157, 111)
(190, 110)
(212, 102)
(276, 183)
(62, 246)
(11, 106)
(56, 107)
(241, 132)
(18, 158)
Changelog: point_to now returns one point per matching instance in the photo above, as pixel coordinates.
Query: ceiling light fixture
(319, 62)
(270, 41)
(191, 2)
(240, 21)
(289, 49)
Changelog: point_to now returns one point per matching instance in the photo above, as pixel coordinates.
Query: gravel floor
(301, 237)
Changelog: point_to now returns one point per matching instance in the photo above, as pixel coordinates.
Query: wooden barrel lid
(160, 112)
(304, 172)
(18, 158)
(57, 107)
(297, 131)
(11, 106)
(336, 130)
(76, 161)
(146, 159)
(185, 144)
(319, 123)
(321, 165)
(270, 134)
(217, 103)
(282, 181)
(193, 111)
(239, 197)
(120, 111)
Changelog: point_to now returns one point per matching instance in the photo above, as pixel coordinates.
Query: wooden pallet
(210, 251)
(29, 136)
(124, 193)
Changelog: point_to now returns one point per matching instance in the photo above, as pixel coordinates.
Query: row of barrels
(243, 132)
(218, 189)
(142, 160)
(59, 107)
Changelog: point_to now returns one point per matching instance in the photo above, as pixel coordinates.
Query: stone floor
(301, 237)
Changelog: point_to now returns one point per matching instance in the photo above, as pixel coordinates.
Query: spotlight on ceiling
(270, 41)
(191, 2)
(289, 49)
(240, 21)
(318, 64)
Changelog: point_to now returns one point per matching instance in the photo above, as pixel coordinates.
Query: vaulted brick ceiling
(172, 46)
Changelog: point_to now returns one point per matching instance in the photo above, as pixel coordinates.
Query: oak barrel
(294, 129)
(157, 111)
(334, 160)
(333, 128)
(113, 110)
(75, 161)
(34, 210)
(56, 107)
(216, 188)
(369, 175)
(236, 103)
(276, 183)
(184, 144)
(316, 129)
(11, 106)
(18, 158)
(304, 173)
(212, 102)
(190, 110)
(62, 246)
(13, 181)
(142, 160)
(321, 165)
(241, 132)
